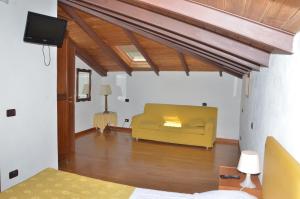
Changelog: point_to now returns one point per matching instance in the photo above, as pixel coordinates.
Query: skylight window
(131, 55)
(132, 52)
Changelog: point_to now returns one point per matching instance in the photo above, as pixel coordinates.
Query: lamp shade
(105, 90)
(249, 162)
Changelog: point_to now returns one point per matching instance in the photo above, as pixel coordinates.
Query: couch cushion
(193, 130)
(150, 124)
(195, 123)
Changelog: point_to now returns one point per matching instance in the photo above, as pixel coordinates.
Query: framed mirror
(83, 85)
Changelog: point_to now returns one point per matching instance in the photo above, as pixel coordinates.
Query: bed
(281, 181)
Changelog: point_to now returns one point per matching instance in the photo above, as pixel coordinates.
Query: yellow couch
(198, 124)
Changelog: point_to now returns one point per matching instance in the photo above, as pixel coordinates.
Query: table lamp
(249, 164)
(105, 90)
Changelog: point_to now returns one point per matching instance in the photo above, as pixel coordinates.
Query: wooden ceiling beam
(221, 73)
(62, 15)
(94, 36)
(204, 49)
(202, 15)
(184, 64)
(186, 49)
(84, 56)
(65, 18)
(140, 48)
(219, 60)
(222, 65)
(230, 59)
(233, 73)
(176, 29)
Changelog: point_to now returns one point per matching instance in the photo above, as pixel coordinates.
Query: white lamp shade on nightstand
(249, 162)
(105, 90)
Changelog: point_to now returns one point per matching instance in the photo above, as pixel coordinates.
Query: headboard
(281, 173)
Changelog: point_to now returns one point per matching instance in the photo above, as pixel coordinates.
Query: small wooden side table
(234, 184)
(101, 120)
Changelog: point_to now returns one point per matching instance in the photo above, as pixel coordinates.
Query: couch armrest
(135, 119)
(211, 128)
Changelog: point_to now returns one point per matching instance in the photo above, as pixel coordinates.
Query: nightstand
(101, 120)
(234, 184)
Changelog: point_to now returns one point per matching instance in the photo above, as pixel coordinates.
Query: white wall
(28, 142)
(84, 111)
(176, 88)
(274, 105)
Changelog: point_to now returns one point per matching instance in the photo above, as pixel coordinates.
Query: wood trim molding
(227, 141)
(82, 133)
(119, 129)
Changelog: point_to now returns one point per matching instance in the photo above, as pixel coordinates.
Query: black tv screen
(44, 29)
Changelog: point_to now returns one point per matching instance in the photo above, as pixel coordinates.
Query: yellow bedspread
(53, 184)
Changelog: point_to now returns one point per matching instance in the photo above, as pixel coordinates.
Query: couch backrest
(181, 112)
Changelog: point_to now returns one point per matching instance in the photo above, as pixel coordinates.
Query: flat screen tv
(46, 30)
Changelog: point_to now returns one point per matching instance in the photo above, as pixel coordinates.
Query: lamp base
(247, 183)
(106, 107)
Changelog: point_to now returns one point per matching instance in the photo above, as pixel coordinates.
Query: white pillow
(223, 194)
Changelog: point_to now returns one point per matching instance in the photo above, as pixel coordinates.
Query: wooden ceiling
(165, 58)
(283, 14)
(97, 27)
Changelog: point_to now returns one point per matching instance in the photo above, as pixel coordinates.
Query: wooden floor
(116, 157)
